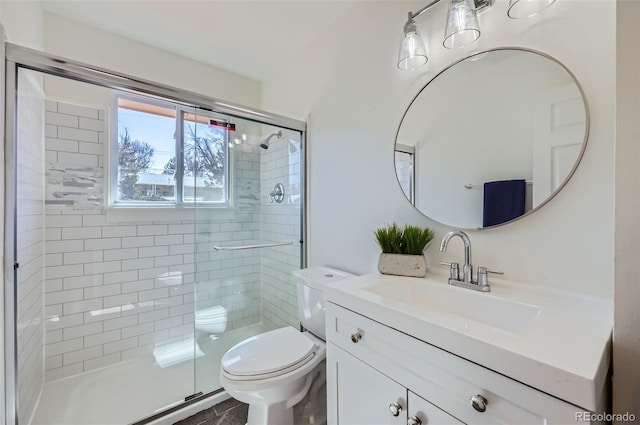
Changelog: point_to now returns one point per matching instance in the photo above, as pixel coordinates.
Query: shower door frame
(17, 57)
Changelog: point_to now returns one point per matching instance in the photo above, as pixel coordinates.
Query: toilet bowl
(275, 370)
(211, 320)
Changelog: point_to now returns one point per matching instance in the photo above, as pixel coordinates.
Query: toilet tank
(311, 308)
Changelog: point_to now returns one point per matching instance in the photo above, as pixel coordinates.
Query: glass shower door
(247, 240)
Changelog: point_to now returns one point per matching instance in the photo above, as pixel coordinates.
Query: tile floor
(229, 412)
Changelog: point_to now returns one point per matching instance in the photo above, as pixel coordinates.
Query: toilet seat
(268, 355)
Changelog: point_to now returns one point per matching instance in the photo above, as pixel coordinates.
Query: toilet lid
(270, 352)
(210, 312)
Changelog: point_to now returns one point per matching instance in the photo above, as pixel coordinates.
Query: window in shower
(164, 154)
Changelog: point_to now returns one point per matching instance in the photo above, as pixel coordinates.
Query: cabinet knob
(355, 337)
(395, 409)
(479, 403)
(414, 420)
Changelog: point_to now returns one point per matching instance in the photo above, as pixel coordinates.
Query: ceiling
(251, 38)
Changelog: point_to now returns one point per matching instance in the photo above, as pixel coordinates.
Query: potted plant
(403, 250)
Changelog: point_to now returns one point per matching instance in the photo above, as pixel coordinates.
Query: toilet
(211, 320)
(274, 371)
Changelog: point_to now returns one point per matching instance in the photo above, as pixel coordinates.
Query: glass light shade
(527, 8)
(462, 24)
(412, 54)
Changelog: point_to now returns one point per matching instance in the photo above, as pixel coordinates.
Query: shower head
(265, 144)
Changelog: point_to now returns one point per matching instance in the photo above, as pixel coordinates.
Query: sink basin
(465, 304)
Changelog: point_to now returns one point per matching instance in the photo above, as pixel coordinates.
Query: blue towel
(503, 201)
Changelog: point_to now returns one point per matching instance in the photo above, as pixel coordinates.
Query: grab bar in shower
(237, 248)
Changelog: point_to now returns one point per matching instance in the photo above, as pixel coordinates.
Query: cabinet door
(427, 413)
(360, 395)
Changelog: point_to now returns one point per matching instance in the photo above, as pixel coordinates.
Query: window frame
(181, 110)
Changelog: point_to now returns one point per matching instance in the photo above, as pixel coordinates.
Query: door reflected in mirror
(491, 138)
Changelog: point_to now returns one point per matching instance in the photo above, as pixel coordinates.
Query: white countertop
(563, 349)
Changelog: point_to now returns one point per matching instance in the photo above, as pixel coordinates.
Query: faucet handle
(483, 280)
(454, 269)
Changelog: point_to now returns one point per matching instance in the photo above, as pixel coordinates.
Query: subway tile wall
(118, 290)
(30, 240)
(280, 222)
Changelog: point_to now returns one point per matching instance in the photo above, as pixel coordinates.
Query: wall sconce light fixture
(462, 27)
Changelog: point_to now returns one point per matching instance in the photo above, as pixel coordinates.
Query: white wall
(74, 40)
(23, 23)
(356, 96)
(626, 337)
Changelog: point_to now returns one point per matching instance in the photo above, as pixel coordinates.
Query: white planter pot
(403, 265)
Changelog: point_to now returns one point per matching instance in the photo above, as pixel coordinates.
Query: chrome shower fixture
(462, 28)
(265, 143)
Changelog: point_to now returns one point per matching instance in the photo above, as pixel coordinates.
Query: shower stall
(149, 230)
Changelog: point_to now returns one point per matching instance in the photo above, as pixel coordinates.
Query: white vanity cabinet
(367, 397)
(371, 366)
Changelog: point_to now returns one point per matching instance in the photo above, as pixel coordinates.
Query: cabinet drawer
(444, 379)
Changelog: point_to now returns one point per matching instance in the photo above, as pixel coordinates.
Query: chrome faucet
(467, 270)
(482, 284)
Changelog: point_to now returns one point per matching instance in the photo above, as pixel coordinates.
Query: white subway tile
(122, 345)
(64, 271)
(63, 347)
(169, 240)
(50, 105)
(65, 120)
(63, 221)
(91, 149)
(53, 362)
(120, 322)
(168, 260)
(136, 330)
(102, 338)
(53, 336)
(81, 355)
(82, 257)
(152, 316)
(103, 267)
(154, 251)
(181, 331)
(181, 228)
(119, 277)
(82, 281)
(181, 249)
(52, 234)
(91, 124)
(53, 260)
(101, 291)
(138, 241)
(120, 300)
(101, 314)
(60, 322)
(82, 111)
(141, 285)
(91, 220)
(52, 311)
(137, 263)
(118, 231)
(82, 330)
(51, 130)
(153, 294)
(53, 285)
(98, 244)
(155, 337)
(120, 254)
(152, 230)
(82, 306)
(61, 145)
(63, 297)
(154, 273)
(68, 158)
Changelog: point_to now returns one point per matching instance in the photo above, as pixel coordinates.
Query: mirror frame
(569, 175)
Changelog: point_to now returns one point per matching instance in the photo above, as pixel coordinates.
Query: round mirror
(491, 138)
